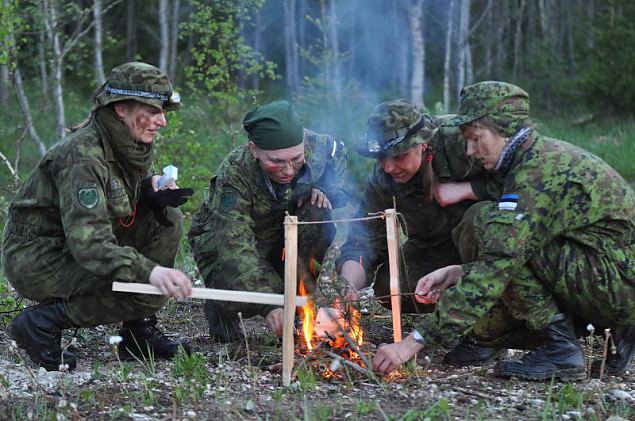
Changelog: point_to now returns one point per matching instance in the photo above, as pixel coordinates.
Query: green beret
(394, 127)
(274, 126)
(506, 105)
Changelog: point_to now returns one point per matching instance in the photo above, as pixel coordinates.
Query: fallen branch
(347, 362)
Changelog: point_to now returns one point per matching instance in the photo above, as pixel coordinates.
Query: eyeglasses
(281, 165)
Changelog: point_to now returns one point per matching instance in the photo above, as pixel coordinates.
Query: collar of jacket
(109, 154)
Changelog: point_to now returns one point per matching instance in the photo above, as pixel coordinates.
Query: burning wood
(332, 339)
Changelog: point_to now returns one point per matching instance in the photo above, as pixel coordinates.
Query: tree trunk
(590, 16)
(402, 53)
(418, 53)
(501, 24)
(255, 77)
(26, 113)
(352, 47)
(164, 30)
(290, 46)
(487, 44)
(448, 59)
(99, 62)
(302, 38)
(4, 84)
(518, 39)
(131, 31)
(51, 24)
(463, 35)
(174, 40)
(335, 48)
(44, 77)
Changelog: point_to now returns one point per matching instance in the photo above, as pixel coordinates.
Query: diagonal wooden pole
(393, 266)
(290, 288)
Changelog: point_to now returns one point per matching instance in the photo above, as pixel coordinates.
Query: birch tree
(99, 62)
(463, 54)
(131, 30)
(26, 112)
(174, 37)
(417, 80)
(334, 43)
(164, 30)
(518, 37)
(448, 58)
(290, 46)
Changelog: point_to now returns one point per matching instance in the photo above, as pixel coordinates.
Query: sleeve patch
(228, 199)
(88, 197)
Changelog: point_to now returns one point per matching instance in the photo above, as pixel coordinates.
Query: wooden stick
(290, 290)
(345, 361)
(393, 266)
(213, 294)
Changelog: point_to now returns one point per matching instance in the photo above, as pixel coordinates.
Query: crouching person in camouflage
(237, 236)
(558, 245)
(421, 168)
(91, 214)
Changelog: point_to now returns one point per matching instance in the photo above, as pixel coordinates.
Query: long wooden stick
(213, 294)
(393, 266)
(290, 290)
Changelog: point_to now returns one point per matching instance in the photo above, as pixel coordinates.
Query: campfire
(331, 339)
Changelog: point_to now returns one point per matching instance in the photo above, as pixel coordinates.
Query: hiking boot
(618, 363)
(142, 339)
(560, 356)
(38, 330)
(469, 352)
(221, 328)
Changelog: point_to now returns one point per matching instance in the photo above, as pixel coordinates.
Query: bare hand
(449, 193)
(318, 199)
(275, 321)
(172, 282)
(391, 356)
(430, 287)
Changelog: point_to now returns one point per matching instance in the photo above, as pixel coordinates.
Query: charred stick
(345, 361)
(333, 314)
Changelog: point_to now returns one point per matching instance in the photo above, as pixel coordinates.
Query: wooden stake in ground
(393, 266)
(290, 288)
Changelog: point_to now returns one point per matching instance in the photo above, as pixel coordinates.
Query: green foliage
(307, 380)
(11, 24)
(609, 74)
(191, 375)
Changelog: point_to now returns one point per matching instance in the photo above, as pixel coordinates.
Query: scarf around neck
(134, 157)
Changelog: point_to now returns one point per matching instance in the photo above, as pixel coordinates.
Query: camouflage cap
(505, 104)
(141, 82)
(394, 127)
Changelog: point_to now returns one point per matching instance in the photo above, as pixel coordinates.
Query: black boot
(142, 339)
(38, 330)
(221, 328)
(618, 363)
(469, 352)
(560, 355)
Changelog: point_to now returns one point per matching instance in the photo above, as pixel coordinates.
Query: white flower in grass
(63, 368)
(590, 328)
(115, 340)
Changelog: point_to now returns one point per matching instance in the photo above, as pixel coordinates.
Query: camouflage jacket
(427, 223)
(553, 191)
(71, 203)
(242, 216)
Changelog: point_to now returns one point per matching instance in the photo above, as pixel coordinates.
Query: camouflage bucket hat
(506, 104)
(141, 82)
(394, 127)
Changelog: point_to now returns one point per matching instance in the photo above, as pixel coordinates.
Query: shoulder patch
(508, 202)
(88, 197)
(228, 199)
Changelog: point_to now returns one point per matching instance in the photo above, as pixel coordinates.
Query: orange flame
(307, 316)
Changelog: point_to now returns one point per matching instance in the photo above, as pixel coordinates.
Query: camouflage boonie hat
(505, 104)
(141, 82)
(394, 127)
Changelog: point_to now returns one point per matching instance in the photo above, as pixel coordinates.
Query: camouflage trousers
(89, 299)
(593, 286)
(313, 241)
(415, 262)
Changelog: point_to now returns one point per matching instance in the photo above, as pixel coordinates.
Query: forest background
(335, 59)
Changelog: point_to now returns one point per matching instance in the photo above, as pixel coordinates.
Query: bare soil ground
(234, 382)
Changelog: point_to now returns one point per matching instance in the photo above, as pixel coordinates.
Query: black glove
(159, 200)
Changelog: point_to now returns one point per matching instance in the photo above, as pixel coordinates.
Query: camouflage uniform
(428, 225)
(237, 236)
(560, 238)
(65, 236)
